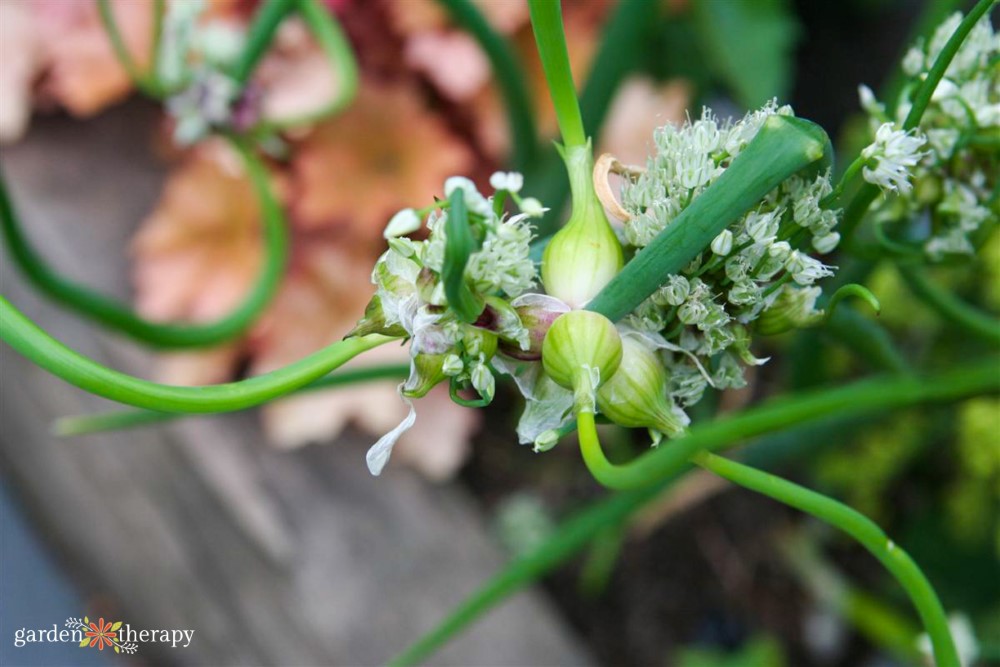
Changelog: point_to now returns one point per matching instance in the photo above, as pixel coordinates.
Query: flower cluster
(757, 274)
(693, 332)
(194, 64)
(955, 177)
(410, 300)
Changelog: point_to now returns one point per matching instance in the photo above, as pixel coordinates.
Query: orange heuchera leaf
(201, 249)
(386, 152)
(83, 74)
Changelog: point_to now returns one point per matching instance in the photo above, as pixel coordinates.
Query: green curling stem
(867, 193)
(124, 419)
(459, 244)
(864, 398)
(783, 147)
(39, 347)
(937, 71)
(953, 310)
(590, 448)
(855, 290)
(862, 529)
(510, 77)
(858, 399)
(260, 35)
(120, 317)
(546, 21)
(335, 45)
(142, 80)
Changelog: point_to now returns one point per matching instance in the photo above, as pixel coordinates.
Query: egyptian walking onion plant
(723, 233)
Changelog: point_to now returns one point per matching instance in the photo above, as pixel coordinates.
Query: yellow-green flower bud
(585, 254)
(794, 308)
(479, 341)
(581, 351)
(636, 396)
(546, 441)
(426, 371)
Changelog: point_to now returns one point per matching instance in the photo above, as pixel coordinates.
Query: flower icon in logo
(101, 634)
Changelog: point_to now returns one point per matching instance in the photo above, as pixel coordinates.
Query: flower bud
(536, 313)
(479, 341)
(792, 309)
(636, 395)
(452, 365)
(482, 380)
(426, 371)
(582, 350)
(405, 222)
(546, 441)
(532, 208)
(585, 254)
(374, 322)
(723, 243)
(511, 181)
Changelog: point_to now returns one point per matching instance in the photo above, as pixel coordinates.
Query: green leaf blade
(748, 44)
(459, 244)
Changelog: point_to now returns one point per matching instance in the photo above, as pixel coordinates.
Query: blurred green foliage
(758, 652)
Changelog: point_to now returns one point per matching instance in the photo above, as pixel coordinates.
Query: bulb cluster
(693, 332)
(954, 177)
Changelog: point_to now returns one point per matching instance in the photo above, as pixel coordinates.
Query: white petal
(379, 453)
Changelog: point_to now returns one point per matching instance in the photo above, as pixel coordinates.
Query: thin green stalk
(932, 14)
(159, 11)
(142, 80)
(862, 529)
(867, 193)
(881, 623)
(953, 310)
(777, 414)
(623, 35)
(260, 35)
(546, 21)
(38, 346)
(849, 175)
(509, 75)
(123, 419)
(864, 398)
(783, 147)
(121, 317)
(335, 45)
(937, 71)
